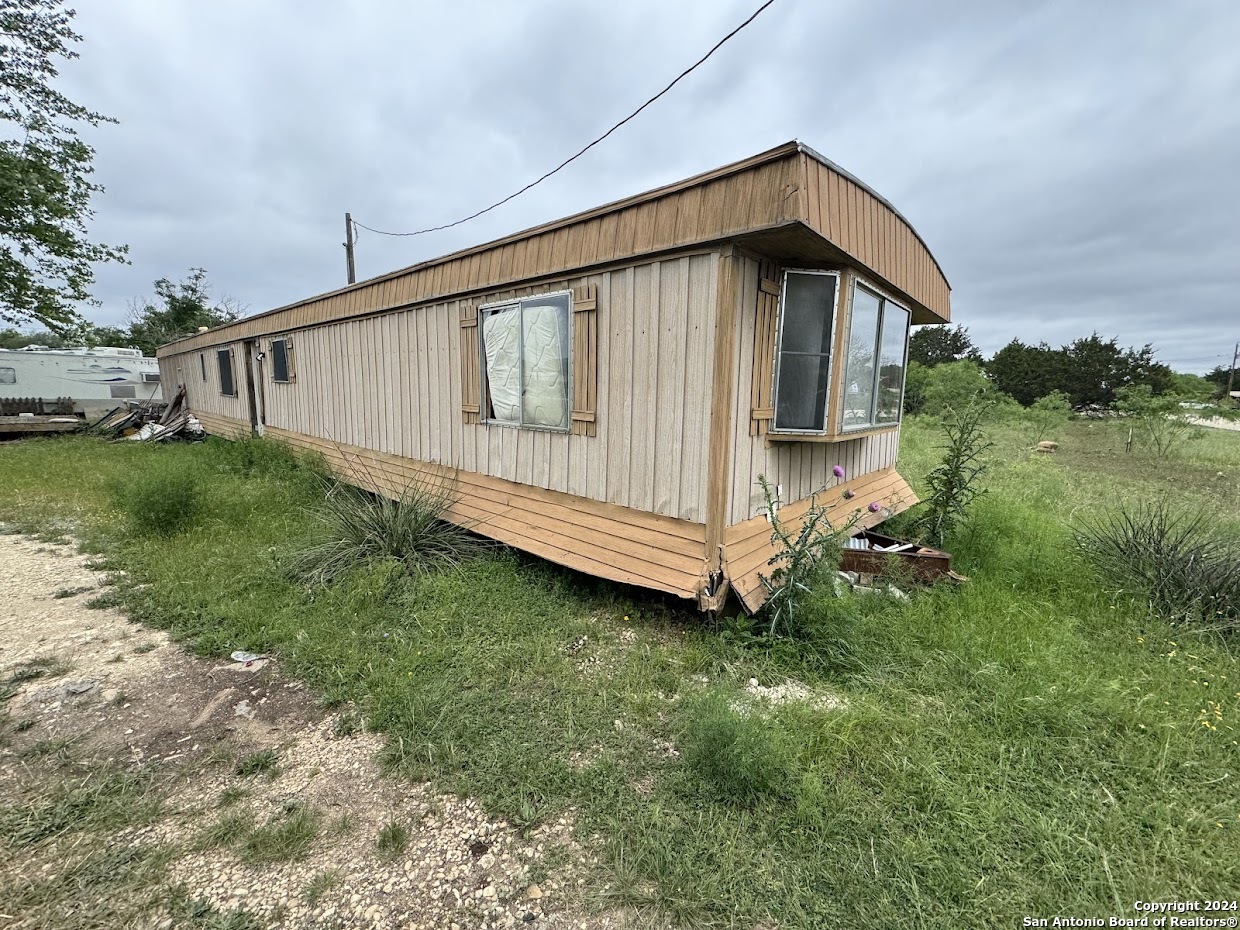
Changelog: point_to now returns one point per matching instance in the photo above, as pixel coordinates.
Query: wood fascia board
(786, 150)
(723, 389)
(556, 280)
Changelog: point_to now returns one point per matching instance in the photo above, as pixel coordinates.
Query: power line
(573, 158)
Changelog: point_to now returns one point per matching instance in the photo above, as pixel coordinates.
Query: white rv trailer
(96, 380)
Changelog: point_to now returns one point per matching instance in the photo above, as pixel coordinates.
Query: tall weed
(162, 501)
(954, 482)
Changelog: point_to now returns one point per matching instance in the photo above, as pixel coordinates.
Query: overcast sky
(1073, 166)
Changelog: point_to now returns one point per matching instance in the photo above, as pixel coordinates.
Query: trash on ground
(870, 553)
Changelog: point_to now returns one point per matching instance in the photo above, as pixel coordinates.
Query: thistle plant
(802, 557)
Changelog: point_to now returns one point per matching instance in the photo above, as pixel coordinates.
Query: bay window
(839, 354)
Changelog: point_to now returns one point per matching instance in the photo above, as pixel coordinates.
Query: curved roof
(788, 202)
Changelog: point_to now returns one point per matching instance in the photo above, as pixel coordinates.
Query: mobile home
(605, 390)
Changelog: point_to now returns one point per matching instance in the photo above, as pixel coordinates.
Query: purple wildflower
(848, 494)
(838, 471)
(875, 507)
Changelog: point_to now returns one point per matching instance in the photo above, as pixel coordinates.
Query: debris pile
(145, 420)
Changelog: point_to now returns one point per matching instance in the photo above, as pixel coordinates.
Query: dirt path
(270, 809)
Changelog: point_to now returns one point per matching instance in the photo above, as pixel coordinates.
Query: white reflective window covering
(501, 339)
(526, 361)
(545, 364)
(8, 375)
(859, 363)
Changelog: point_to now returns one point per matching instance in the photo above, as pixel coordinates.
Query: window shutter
(763, 387)
(585, 360)
(471, 378)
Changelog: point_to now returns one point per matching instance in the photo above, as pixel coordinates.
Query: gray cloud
(1072, 166)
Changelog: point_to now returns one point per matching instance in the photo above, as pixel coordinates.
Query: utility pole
(348, 247)
(1231, 376)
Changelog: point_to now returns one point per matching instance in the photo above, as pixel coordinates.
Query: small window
(202, 363)
(876, 359)
(224, 357)
(122, 391)
(525, 355)
(281, 369)
(8, 375)
(150, 377)
(803, 360)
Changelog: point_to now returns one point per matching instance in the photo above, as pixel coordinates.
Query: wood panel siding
(786, 187)
(871, 232)
(748, 545)
(393, 383)
(619, 543)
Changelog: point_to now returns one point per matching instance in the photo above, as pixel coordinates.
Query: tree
(937, 345)
(953, 386)
(46, 258)
(1219, 377)
(1028, 372)
(15, 339)
(178, 310)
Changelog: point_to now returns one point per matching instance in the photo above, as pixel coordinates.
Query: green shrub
(953, 483)
(1177, 563)
(1160, 419)
(358, 529)
(160, 501)
(1049, 414)
(737, 759)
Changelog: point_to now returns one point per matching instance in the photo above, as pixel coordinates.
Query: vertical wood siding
(863, 226)
(392, 383)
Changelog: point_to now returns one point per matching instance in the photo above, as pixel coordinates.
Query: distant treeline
(1091, 370)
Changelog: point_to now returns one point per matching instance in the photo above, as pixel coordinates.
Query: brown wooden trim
(723, 386)
(470, 375)
(835, 393)
(831, 437)
(607, 540)
(585, 360)
(749, 547)
(765, 339)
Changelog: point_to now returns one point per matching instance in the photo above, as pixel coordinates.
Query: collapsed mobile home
(605, 390)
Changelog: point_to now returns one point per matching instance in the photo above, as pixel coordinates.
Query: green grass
(286, 836)
(262, 762)
(1017, 745)
(392, 839)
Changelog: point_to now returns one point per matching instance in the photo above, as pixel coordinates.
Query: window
(202, 363)
(224, 357)
(281, 349)
(875, 360)
(8, 375)
(150, 377)
(525, 361)
(803, 356)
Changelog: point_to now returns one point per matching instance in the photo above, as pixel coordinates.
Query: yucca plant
(1177, 563)
(358, 529)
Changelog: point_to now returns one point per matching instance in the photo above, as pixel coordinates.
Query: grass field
(1019, 745)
